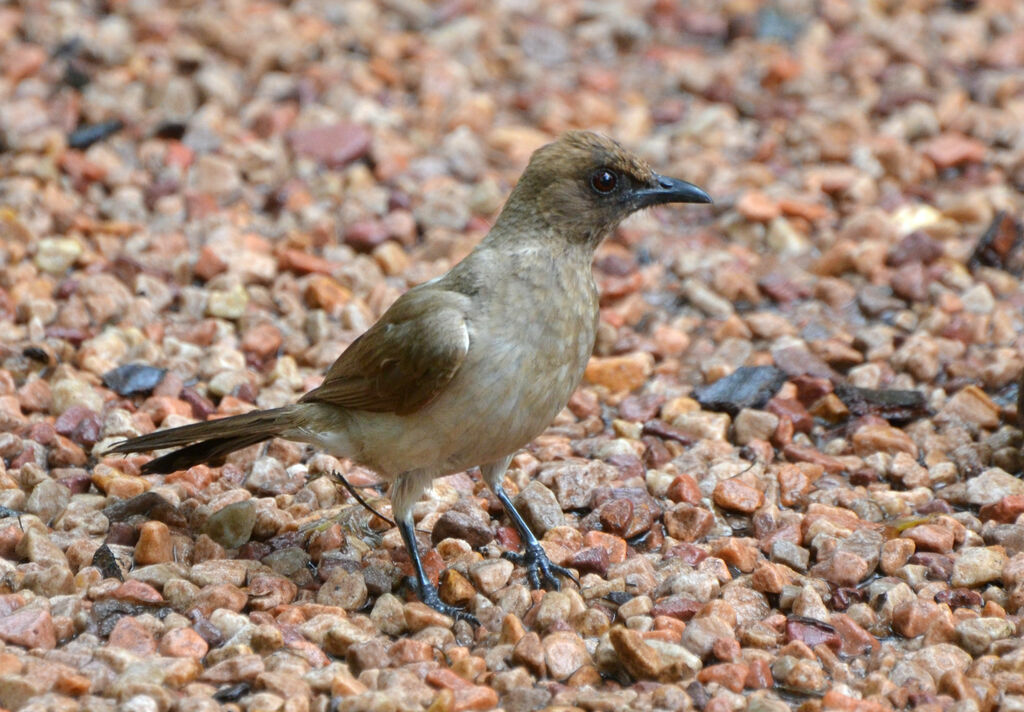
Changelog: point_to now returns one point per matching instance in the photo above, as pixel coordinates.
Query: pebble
(491, 575)
(973, 405)
(539, 508)
(215, 176)
(620, 373)
(332, 145)
(231, 525)
(229, 303)
(154, 545)
(564, 653)
(56, 255)
(977, 565)
(737, 495)
(992, 485)
(751, 424)
(758, 207)
(29, 627)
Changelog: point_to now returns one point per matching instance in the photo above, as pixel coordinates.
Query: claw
(537, 563)
(428, 595)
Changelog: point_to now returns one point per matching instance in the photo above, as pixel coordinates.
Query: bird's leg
(534, 558)
(426, 590)
(405, 490)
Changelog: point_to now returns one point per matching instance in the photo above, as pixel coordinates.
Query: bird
(465, 369)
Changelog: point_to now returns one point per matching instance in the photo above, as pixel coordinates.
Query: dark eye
(603, 180)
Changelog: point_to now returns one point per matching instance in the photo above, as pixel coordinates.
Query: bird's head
(584, 184)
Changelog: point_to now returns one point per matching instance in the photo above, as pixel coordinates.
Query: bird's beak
(670, 190)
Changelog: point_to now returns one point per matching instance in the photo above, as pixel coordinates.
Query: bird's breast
(529, 347)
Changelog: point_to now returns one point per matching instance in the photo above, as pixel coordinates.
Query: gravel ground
(790, 480)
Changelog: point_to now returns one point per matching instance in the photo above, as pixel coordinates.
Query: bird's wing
(403, 361)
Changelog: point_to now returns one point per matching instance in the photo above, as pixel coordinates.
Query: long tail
(210, 441)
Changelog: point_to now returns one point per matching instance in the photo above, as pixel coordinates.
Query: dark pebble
(746, 387)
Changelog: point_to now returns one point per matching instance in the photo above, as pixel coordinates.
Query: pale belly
(503, 396)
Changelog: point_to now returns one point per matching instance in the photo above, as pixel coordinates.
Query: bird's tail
(210, 441)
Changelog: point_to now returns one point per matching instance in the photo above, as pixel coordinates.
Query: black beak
(670, 190)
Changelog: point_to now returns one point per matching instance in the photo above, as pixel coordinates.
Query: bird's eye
(603, 181)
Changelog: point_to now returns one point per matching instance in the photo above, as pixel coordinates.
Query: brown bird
(467, 368)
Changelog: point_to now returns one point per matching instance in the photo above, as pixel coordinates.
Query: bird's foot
(537, 564)
(428, 595)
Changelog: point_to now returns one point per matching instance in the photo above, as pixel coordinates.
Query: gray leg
(404, 492)
(534, 558)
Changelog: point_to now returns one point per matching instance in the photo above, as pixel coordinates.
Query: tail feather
(209, 441)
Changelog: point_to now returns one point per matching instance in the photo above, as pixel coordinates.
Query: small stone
(916, 247)
(228, 304)
(366, 235)
(746, 387)
(154, 545)
(18, 691)
(977, 565)
(976, 635)
(812, 633)
(57, 254)
(854, 640)
(322, 292)
(973, 405)
(539, 508)
(687, 522)
(232, 525)
(930, 537)
(263, 340)
(978, 299)
(736, 552)
(791, 554)
(133, 378)
(751, 424)
(334, 145)
(388, 614)
(491, 575)
(702, 633)
(953, 149)
(529, 652)
(69, 392)
(209, 263)
(391, 258)
(29, 627)
(455, 524)
(590, 559)
(615, 516)
(882, 437)
(758, 207)
(895, 553)
(269, 476)
(799, 673)
(843, 568)
(183, 643)
(644, 661)
(941, 658)
(737, 495)
(564, 653)
(991, 486)
(419, 616)
(241, 668)
(620, 373)
(1006, 510)
(215, 175)
(702, 425)
(132, 635)
(455, 589)
(48, 499)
